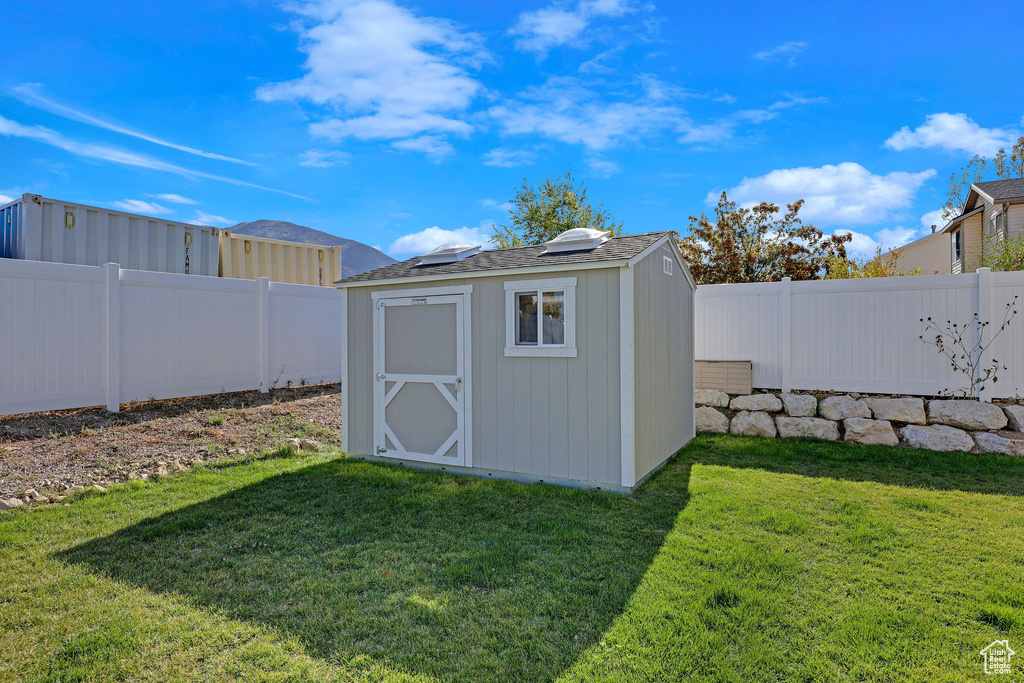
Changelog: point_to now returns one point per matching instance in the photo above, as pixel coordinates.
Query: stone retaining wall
(938, 425)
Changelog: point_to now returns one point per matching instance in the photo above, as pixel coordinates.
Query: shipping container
(248, 258)
(35, 228)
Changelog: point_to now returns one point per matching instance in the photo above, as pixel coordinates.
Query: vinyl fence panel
(858, 335)
(76, 336)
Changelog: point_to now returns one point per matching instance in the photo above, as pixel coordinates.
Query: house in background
(993, 212)
(929, 255)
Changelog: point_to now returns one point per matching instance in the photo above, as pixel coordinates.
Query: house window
(540, 317)
(666, 265)
(956, 246)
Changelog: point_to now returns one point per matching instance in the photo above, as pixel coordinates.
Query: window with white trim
(666, 265)
(540, 317)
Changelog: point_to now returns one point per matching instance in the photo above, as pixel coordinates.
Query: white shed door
(420, 394)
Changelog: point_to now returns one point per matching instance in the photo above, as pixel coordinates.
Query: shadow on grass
(447, 576)
(909, 467)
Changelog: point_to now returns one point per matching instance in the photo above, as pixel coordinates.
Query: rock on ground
(294, 444)
(839, 408)
(800, 405)
(993, 443)
(871, 432)
(711, 397)
(973, 415)
(308, 444)
(709, 419)
(753, 423)
(909, 410)
(769, 403)
(10, 504)
(1015, 417)
(937, 438)
(810, 427)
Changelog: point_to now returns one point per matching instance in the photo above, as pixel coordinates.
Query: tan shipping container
(247, 258)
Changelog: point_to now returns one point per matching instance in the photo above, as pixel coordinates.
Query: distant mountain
(356, 257)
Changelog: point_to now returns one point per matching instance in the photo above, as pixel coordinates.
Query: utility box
(247, 258)
(36, 228)
(730, 376)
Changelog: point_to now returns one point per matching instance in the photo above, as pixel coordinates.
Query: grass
(743, 560)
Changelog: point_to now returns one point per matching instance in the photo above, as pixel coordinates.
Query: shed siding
(545, 417)
(663, 360)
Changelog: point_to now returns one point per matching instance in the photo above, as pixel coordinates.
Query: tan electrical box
(730, 376)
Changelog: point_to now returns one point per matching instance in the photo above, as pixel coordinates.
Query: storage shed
(569, 362)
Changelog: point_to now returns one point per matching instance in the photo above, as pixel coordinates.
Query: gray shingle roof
(1003, 189)
(520, 257)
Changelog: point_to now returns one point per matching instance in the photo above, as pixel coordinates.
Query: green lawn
(743, 560)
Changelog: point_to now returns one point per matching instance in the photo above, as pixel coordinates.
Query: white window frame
(514, 287)
(667, 265)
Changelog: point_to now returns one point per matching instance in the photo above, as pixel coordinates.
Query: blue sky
(405, 125)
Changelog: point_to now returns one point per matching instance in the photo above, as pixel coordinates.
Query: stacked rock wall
(938, 425)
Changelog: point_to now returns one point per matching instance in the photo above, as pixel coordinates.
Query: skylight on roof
(577, 239)
(449, 253)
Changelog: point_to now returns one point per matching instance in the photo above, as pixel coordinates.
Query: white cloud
(602, 168)
(863, 245)
(509, 158)
(382, 72)
(319, 158)
(574, 112)
(30, 93)
(786, 51)
(846, 193)
(173, 198)
(140, 206)
(115, 155)
(953, 133)
(725, 127)
(566, 110)
(421, 242)
(4, 199)
(933, 218)
(496, 204)
(539, 31)
(435, 147)
(203, 218)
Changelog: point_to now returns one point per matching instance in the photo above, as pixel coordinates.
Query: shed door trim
(452, 389)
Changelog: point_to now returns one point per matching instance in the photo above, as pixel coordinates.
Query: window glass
(554, 317)
(526, 322)
(956, 245)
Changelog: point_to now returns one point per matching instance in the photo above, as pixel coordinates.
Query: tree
(978, 169)
(882, 264)
(541, 214)
(752, 245)
(1002, 254)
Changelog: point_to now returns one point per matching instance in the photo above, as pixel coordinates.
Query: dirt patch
(55, 450)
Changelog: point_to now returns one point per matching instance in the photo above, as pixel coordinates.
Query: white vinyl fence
(858, 335)
(74, 336)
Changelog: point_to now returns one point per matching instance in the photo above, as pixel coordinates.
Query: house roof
(998, 190)
(615, 249)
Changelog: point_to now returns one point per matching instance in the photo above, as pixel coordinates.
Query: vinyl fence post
(113, 360)
(985, 315)
(785, 333)
(264, 302)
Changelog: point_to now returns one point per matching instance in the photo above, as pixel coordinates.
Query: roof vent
(577, 239)
(449, 253)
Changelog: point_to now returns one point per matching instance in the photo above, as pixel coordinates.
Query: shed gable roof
(615, 249)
